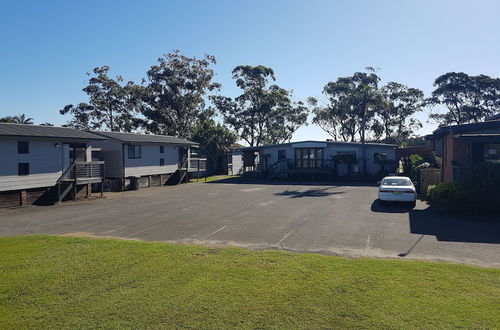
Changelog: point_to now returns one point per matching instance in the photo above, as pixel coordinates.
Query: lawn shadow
(309, 193)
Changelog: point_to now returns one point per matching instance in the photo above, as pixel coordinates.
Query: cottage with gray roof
(34, 159)
(320, 159)
(151, 159)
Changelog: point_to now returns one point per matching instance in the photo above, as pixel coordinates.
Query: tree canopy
(173, 100)
(262, 113)
(214, 139)
(468, 99)
(355, 105)
(350, 102)
(19, 119)
(108, 107)
(394, 122)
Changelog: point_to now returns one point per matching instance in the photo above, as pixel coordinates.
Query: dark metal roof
(466, 127)
(327, 142)
(24, 130)
(146, 138)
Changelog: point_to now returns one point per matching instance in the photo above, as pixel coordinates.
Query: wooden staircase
(77, 174)
(277, 169)
(181, 174)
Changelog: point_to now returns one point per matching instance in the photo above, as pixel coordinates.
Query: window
(492, 153)
(309, 157)
(397, 182)
(162, 149)
(23, 168)
(162, 161)
(23, 147)
(379, 156)
(134, 152)
(281, 154)
(347, 155)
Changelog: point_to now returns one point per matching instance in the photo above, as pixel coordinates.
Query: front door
(77, 152)
(183, 151)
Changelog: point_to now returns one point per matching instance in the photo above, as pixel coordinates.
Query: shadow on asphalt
(391, 207)
(309, 193)
(455, 228)
(293, 183)
(446, 227)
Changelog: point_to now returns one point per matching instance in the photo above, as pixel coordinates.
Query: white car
(397, 189)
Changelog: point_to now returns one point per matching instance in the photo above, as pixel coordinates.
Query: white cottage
(45, 164)
(152, 159)
(329, 159)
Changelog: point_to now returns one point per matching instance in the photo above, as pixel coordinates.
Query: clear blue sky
(47, 46)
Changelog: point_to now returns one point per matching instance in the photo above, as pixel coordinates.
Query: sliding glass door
(309, 157)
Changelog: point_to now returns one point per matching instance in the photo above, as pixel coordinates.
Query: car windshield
(396, 182)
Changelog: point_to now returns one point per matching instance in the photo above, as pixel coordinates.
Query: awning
(479, 138)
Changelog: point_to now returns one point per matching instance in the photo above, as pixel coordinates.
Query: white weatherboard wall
(45, 159)
(373, 167)
(272, 153)
(149, 163)
(237, 163)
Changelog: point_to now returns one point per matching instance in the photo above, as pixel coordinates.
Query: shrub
(449, 196)
(482, 183)
(477, 193)
(428, 193)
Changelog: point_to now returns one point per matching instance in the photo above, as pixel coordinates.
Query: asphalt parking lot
(335, 219)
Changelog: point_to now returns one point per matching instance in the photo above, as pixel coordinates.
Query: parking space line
(285, 237)
(368, 243)
(215, 232)
(141, 231)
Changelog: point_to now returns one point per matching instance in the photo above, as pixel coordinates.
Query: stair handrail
(277, 168)
(62, 177)
(64, 174)
(183, 162)
(180, 167)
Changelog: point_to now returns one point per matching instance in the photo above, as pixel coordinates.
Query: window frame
(488, 156)
(380, 156)
(309, 157)
(134, 151)
(23, 150)
(26, 170)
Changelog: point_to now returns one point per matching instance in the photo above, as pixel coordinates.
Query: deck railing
(198, 164)
(89, 170)
(80, 173)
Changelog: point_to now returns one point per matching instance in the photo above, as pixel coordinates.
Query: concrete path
(343, 220)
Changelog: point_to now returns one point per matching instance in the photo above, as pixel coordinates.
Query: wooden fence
(428, 176)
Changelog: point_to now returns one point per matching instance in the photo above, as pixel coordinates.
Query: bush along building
(46, 165)
(329, 160)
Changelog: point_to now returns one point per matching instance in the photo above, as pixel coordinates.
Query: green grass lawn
(63, 282)
(213, 178)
